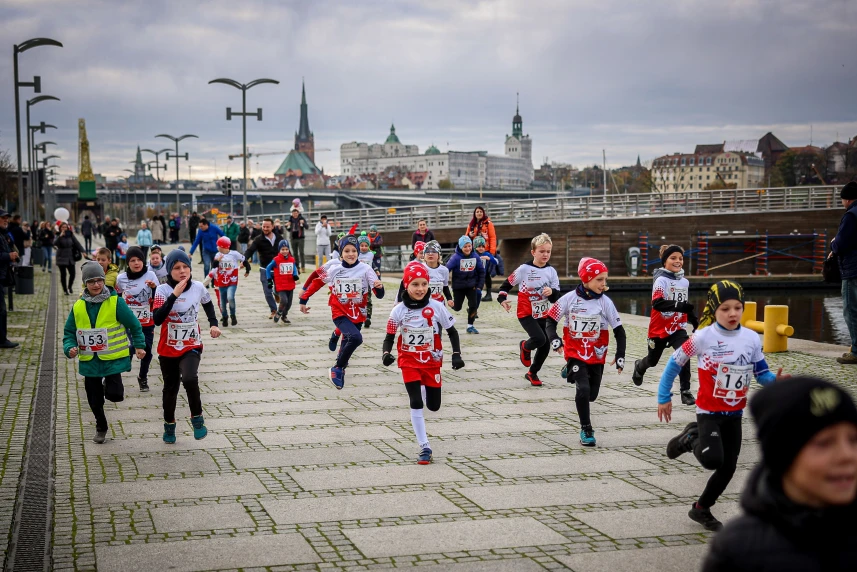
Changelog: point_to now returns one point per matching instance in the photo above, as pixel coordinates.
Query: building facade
(709, 166)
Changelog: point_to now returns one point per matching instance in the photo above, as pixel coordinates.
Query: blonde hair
(539, 240)
(664, 249)
(103, 252)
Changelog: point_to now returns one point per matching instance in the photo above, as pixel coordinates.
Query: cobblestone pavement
(295, 475)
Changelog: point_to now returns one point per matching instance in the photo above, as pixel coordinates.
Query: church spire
(517, 122)
(304, 133)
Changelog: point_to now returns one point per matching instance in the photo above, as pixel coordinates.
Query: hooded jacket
(466, 279)
(777, 535)
(843, 244)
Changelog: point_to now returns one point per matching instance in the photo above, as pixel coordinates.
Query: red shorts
(427, 377)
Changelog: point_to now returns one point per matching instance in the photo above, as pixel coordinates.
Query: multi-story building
(707, 166)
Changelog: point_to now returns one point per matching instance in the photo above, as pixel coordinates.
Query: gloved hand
(620, 363)
(556, 344)
(684, 307)
(388, 359)
(457, 362)
(693, 320)
(270, 284)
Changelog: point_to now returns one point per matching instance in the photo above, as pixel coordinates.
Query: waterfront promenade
(295, 475)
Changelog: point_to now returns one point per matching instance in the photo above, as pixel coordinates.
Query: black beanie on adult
(849, 191)
(790, 412)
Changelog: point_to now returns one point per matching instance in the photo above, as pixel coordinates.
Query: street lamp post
(43, 146)
(31, 102)
(49, 192)
(33, 178)
(158, 173)
(132, 191)
(258, 115)
(36, 84)
(177, 156)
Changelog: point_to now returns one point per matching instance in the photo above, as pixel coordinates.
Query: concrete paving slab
(250, 396)
(567, 464)
(474, 447)
(505, 565)
(552, 494)
(639, 419)
(451, 396)
(378, 476)
(199, 487)
(550, 391)
(403, 414)
(201, 517)
(619, 438)
(564, 406)
(495, 425)
(185, 442)
(326, 435)
(283, 406)
(662, 559)
(656, 521)
(689, 485)
(300, 457)
(159, 465)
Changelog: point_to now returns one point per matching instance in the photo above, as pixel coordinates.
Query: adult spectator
(158, 229)
(111, 239)
(8, 255)
(322, 239)
(67, 245)
(206, 236)
(265, 244)
(278, 226)
(104, 225)
(193, 225)
(799, 502)
(17, 233)
(481, 225)
(28, 243)
(173, 224)
(422, 234)
(144, 239)
(231, 231)
(86, 229)
(46, 239)
(243, 237)
(375, 243)
(255, 229)
(844, 244)
(296, 225)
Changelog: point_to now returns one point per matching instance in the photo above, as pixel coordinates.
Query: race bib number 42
(467, 264)
(180, 334)
(93, 339)
(417, 339)
(584, 326)
(348, 288)
(732, 381)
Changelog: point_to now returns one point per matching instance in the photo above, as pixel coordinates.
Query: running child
(137, 287)
(122, 250)
(538, 288)
(585, 309)
(468, 275)
(156, 263)
(350, 283)
(366, 256)
(419, 251)
(282, 275)
(176, 308)
(226, 279)
(671, 312)
(729, 356)
(95, 331)
(111, 271)
(420, 353)
(488, 262)
(438, 274)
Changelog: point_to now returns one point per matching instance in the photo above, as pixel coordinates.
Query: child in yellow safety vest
(95, 333)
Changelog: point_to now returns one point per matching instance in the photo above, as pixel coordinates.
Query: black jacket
(18, 235)
(266, 250)
(244, 235)
(66, 245)
(776, 535)
(86, 228)
(7, 246)
(111, 236)
(296, 229)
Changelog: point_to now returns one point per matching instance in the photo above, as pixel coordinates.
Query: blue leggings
(227, 296)
(351, 340)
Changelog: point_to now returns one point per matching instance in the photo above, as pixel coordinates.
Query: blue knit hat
(284, 244)
(464, 240)
(363, 238)
(177, 255)
(346, 240)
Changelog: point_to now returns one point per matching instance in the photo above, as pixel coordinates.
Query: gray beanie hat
(91, 270)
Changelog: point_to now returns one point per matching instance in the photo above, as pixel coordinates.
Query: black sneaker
(100, 436)
(704, 517)
(286, 320)
(683, 442)
(144, 384)
(276, 317)
(234, 321)
(687, 398)
(224, 322)
(368, 322)
(637, 375)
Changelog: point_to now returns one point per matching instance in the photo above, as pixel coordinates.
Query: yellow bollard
(749, 313)
(777, 329)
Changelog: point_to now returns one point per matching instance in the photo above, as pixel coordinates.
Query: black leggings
(587, 377)
(71, 274)
(656, 349)
(717, 449)
(469, 294)
(487, 282)
(95, 397)
(538, 341)
(178, 371)
(415, 394)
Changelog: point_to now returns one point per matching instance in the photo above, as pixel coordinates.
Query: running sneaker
(687, 398)
(533, 379)
(337, 377)
(144, 384)
(683, 442)
(271, 317)
(276, 317)
(199, 430)
(587, 437)
(704, 517)
(224, 322)
(334, 341)
(234, 321)
(425, 457)
(471, 329)
(637, 375)
(847, 359)
(526, 355)
(100, 436)
(169, 433)
(286, 320)
(487, 297)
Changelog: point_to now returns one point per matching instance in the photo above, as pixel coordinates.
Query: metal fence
(458, 214)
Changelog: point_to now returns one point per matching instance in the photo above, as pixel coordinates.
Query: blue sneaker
(587, 437)
(337, 377)
(199, 430)
(169, 433)
(425, 457)
(472, 330)
(334, 341)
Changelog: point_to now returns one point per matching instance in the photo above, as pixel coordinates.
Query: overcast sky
(646, 78)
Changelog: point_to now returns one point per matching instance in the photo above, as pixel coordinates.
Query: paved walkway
(296, 475)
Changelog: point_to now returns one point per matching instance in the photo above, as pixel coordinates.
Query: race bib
(540, 307)
(732, 381)
(93, 340)
(678, 294)
(467, 264)
(348, 289)
(181, 334)
(287, 267)
(226, 265)
(417, 339)
(436, 288)
(142, 313)
(584, 326)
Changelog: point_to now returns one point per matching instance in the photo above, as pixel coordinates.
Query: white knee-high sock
(423, 392)
(419, 423)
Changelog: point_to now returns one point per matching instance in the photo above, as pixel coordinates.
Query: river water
(815, 316)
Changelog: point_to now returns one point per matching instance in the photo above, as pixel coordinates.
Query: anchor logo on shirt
(585, 356)
(420, 357)
(353, 308)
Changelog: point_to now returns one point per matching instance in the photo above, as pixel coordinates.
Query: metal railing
(458, 214)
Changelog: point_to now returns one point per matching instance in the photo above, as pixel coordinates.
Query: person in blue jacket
(489, 262)
(468, 275)
(207, 236)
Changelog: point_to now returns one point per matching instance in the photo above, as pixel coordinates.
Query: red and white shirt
(531, 280)
(419, 344)
(585, 332)
(227, 268)
(180, 331)
(665, 324)
(438, 279)
(349, 288)
(138, 295)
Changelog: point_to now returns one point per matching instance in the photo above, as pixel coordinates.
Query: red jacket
(284, 272)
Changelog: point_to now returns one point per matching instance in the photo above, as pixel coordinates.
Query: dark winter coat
(266, 250)
(111, 236)
(66, 244)
(776, 535)
(86, 228)
(845, 243)
(417, 237)
(465, 280)
(244, 235)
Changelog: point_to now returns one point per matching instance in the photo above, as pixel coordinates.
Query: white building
(464, 169)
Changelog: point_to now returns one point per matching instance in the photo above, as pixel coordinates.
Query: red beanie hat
(413, 271)
(589, 268)
(419, 246)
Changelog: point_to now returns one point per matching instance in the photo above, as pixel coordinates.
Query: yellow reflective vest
(117, 339)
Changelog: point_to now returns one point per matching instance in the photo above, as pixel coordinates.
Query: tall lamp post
(33, 178)
(31, 102)
(177, 156)
(48, 191)
(258, 115)
(43, 147)
(158, 173)
(132, 190)
(36, 84)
